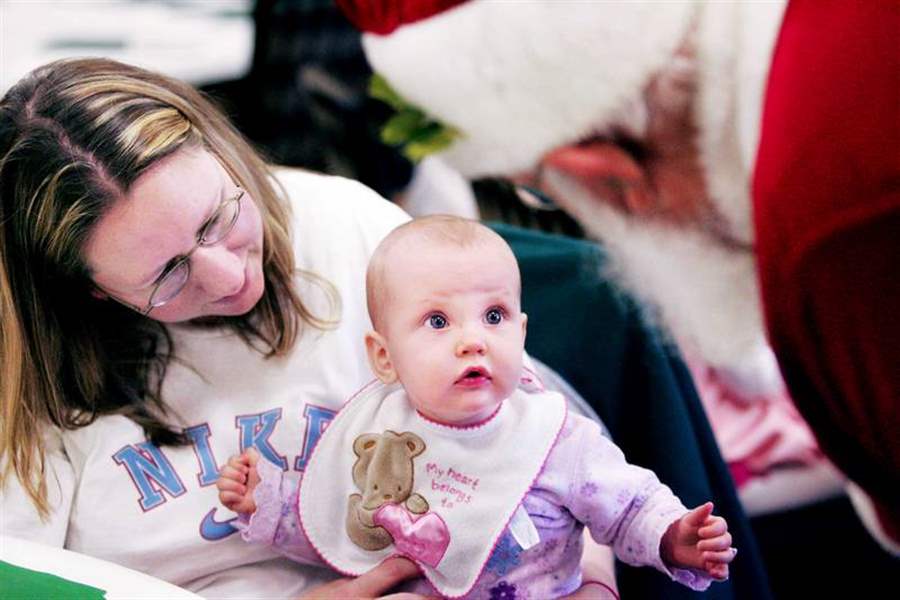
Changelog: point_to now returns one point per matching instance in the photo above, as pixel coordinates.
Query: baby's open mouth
(474, 375)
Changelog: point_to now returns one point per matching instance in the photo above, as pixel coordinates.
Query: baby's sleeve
(276, 521)
(623, 505)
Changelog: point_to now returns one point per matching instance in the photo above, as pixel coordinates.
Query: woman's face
(159, 221)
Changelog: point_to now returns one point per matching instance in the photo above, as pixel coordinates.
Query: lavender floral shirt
(586, 482)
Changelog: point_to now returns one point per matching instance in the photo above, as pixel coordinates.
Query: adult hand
(598, 572)
(594, 590)
(371, 584)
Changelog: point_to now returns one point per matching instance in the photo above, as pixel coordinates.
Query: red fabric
(384, 16)
(827, 210)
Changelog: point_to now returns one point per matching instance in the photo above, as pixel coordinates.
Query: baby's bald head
(432, 231)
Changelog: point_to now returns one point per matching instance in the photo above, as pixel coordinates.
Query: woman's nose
(217, 271)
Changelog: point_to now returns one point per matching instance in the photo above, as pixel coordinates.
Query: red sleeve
(827, 209)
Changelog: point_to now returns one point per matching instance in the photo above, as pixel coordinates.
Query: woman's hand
(598, 579)
(369, 585)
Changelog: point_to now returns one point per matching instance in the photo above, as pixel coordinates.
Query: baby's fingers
(721, 542)
(718, 571)
(239, 462)
(228, 484)
(230, 500)
(230, 473)
(698, 516)
(714, 526)
(719, 556)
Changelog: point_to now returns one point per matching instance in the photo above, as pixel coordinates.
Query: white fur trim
(554, 71)
(734, 44)
(522, 78)
(703, 294)
(866, 511)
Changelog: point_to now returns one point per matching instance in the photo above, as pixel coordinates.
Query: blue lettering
(317, 419)
(151, 473)
(209, 470)
(256, 430)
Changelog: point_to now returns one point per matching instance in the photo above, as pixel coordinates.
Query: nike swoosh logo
(213, 530)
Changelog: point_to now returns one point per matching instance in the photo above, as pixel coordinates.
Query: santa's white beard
(704, 295)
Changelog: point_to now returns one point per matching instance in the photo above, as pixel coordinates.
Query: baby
(468, 468)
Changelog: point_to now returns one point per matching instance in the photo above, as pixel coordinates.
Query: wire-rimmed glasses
(176, 274)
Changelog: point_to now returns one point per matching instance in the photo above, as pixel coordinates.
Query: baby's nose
(471, 345)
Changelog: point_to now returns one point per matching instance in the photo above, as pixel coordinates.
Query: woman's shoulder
(332, 214)
(325, 196)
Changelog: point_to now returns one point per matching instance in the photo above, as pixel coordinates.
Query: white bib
(383, 480)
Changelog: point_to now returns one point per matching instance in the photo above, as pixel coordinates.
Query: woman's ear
(380, 358)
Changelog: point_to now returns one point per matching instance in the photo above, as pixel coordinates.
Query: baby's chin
(476, 416)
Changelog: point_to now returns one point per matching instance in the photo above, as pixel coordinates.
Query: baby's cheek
(508, 384)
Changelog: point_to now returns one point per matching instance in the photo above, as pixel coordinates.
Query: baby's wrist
(667, 544)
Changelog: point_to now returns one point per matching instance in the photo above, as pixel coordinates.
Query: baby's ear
(524, 326)
(380, 358)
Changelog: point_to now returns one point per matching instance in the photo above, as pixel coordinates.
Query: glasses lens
(171, 284)
(222, 222)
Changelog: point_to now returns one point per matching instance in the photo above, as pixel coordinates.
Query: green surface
(19, 583)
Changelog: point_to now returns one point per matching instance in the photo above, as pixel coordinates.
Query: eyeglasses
(175, 276)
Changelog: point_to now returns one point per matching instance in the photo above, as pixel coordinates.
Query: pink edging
(312, 456)
(496, 541)
(528, 489)
(476, 425)
(534, 378)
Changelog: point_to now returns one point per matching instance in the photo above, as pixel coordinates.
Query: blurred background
(292, 76)
(290, 73)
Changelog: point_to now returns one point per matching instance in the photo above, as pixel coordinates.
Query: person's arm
(18, 515)
(624, 505)
(598, 572)
(266, 503)
(372, 584)
(597, 561)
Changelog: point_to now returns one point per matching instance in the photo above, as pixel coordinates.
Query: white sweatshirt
(116, 497)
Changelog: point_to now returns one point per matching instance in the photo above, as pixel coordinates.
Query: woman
(167, 301)
(162, 308)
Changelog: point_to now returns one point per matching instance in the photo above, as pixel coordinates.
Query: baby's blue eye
(493, 316)
(437, 321)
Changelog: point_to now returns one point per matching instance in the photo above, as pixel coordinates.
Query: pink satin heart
(422, 537)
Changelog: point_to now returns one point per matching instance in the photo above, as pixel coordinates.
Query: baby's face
(454, 328)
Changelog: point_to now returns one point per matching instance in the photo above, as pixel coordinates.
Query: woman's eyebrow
(218, 199)
(151, 279)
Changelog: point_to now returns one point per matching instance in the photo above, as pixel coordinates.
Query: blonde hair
(446, 230)
(74, 136)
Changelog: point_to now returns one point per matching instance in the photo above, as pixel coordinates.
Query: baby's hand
(701, 541)
(237, 480)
